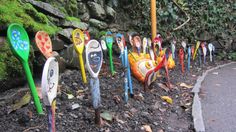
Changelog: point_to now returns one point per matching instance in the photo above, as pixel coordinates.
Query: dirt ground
(145, 108)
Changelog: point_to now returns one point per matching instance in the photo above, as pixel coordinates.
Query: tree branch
(180, 26)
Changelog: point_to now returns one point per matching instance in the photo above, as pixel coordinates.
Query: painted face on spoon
(94, 57)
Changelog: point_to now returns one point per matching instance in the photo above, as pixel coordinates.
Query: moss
(3, 67)
(73, 19)
(68, 7)
(100, 34)
(14, 12)
(9, 65)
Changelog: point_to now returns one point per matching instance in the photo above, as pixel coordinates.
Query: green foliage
(11, 11)
(232, 56)
(71, 8)
(218, 17)
(100, 34)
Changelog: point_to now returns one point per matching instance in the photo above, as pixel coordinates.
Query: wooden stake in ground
(153, 19)
(49, 89)
(94, 59)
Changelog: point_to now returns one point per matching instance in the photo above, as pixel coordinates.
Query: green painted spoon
(20, 46)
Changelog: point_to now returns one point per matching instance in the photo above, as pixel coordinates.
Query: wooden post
(153, 19)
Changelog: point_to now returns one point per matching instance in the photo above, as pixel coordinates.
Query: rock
(101, 2)
(98, 24)
(111, 13)
(70, 56)
(74, 24)
(97, 10)
(57, 44)
(114, 30)
(93, 31)
(82, 8)
(46, 8)
(65, 34)
(62, 64)
(85, 17)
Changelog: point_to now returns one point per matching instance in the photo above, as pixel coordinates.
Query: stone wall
(96, 16)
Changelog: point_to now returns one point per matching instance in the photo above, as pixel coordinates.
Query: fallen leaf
(217, 84)
(162, 110)
(106, 115)
(234, 68)
(139, 96)
(215, 73)
(156, 105)
(120, 121)
(80, 91)
(188, 104)
(70, 96)
(193, 75)
(185, 85)
(23, 101)
(146, 128)
(163, 86)
(117, 99)
(167, 99)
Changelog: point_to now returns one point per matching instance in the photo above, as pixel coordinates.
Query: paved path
(218, 98)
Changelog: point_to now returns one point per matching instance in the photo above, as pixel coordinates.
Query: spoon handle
(82, 68)
(111, 62)
(210, 56)
(32, 88)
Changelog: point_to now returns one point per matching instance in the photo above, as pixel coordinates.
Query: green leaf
(23, 101)
(106, 115)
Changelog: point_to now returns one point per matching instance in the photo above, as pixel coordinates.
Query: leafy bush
(218, 17)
